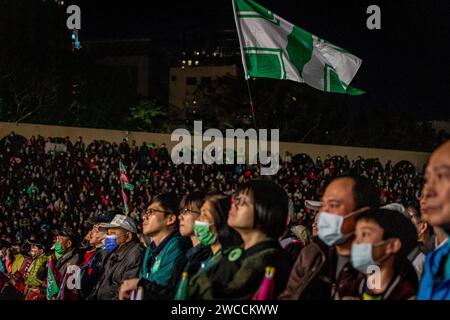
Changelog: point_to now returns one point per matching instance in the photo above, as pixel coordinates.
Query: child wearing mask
(383, 240)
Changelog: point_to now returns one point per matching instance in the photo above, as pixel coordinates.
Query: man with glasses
(165, 257)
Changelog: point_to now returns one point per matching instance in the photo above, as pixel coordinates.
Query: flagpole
(251, 103)
(244, 64)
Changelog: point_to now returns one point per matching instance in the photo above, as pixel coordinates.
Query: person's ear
(394, 246)
(423, 226)
(171, 219)
(69, 243)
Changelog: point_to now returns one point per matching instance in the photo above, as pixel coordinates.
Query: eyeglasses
(151, 212)
(186, 211)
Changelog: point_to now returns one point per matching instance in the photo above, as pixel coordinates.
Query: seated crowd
(218, 232)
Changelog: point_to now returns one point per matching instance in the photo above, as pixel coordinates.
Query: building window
(191, 81)
(174, 78)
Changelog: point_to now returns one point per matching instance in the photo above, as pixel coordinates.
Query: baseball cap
(120, 221)
(396, 207)
(100, 219)
(70, 233)
(313, 205)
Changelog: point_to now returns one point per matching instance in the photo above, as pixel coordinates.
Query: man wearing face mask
(94, 256)
(66, 249)
(326, 273)
(65, 254)
(124, 260)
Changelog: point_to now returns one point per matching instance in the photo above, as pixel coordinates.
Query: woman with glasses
(212, 231)
(259, 213)
(189, 213)
(164, 258)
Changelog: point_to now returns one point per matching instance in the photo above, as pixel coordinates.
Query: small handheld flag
(265, 291)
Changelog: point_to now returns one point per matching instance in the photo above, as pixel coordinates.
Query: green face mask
(203, 233)
(59, 250)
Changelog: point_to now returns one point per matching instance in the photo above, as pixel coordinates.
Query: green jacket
(239, 273)
(162, 266)
(38, 266)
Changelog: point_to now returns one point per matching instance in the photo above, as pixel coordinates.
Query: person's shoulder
(136, 249)
(180, 242)
(313, 249)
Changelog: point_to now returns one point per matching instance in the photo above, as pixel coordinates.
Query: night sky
(405, 64)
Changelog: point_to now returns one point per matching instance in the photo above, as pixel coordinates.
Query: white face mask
(329, 227)
(362, 256)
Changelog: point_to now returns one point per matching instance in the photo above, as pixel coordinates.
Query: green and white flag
(272, 47)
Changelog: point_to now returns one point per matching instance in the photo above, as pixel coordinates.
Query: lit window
(183, 62)
(189, 62)
(196, 62)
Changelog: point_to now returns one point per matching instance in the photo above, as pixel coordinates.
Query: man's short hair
(364, 191)
(168, 201)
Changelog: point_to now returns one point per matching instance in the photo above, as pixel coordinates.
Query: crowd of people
(214, 231)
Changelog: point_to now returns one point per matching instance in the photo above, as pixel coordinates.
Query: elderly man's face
(96, 235)
(436, 190)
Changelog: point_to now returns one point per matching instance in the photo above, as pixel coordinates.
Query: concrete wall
(313, 150)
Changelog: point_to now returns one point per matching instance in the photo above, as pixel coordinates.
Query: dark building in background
(204, 56)
(133, 56)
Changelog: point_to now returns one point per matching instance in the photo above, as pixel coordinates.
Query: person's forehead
(115, 230)
(339, 189)
(368, 224)
(155, 205)
(441, 157)
(207, 208)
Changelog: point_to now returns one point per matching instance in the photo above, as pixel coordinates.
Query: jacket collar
(155, 250)
(67, 256)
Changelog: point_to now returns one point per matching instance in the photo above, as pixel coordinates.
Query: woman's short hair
(271, 206)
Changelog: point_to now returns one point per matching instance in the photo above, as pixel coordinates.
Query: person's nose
(428, 189)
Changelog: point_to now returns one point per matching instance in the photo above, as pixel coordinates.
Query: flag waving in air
(125, 185)
(272, 47)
